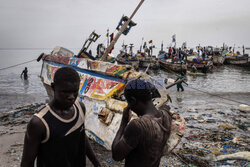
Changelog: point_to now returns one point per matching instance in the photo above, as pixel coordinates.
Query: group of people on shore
(56, 136)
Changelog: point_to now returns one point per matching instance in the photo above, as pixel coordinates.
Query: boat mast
(124, 26)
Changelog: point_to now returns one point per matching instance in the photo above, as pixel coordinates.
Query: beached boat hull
(101, 90)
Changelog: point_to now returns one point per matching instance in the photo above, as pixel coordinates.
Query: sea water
(226, 87)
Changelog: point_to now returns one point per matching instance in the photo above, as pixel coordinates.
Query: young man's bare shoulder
(36, 125)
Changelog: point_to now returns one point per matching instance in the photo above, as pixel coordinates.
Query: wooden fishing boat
(127, 60)
(176, 66)
(218, 58)
(101, 90)
(236, 59)
(203, 65)
(150, 62)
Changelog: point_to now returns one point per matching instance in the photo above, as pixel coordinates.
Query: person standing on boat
(179, 54)
(170, 51)
(179, 85)
(55, 135)
(194, 69)
(141, 141)
(24, 74)
(204, 69)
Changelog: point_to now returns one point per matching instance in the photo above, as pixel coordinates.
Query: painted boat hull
(100, 82)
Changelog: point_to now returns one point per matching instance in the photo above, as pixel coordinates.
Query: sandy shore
(203, 140)
(12, 130)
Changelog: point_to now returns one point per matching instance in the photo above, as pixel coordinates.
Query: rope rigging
(17, 64)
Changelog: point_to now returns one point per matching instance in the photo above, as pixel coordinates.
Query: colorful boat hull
(101, 90)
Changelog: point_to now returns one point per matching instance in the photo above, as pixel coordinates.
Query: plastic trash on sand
(244, 108)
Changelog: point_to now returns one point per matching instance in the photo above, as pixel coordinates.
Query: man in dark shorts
(25, 73)
(142, 140)
(179, 85)
(55, 136)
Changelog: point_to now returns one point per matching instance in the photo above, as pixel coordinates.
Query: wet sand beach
(210, 132)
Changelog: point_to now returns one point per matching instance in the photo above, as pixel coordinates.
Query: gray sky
(48, 23)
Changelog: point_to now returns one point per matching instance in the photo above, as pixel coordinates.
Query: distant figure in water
(141, 141)
(179, 85)
(24, 74)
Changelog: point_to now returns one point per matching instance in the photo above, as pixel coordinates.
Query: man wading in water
(55, 135)
(179, 85)
(24, 74)
(141, 142)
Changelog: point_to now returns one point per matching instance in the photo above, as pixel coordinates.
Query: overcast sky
(48, 23)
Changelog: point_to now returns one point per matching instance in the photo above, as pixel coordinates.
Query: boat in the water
(128, 59)
(218, 57)
(169, 65)
(101, 89)
(151, 62)
(202, 64)
(237, 59)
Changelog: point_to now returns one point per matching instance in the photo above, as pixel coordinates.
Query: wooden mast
(124, 26)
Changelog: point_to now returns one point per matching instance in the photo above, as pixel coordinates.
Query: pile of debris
(20, 115)
(216, 138)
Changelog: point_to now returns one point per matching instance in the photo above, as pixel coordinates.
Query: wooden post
(173, 84)
(112, 44)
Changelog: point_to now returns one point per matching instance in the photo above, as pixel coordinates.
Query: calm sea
(229, 82)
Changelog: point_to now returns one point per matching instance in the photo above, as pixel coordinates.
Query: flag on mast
(107, 35)
(174, 38)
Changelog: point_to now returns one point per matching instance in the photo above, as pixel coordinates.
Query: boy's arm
(33, 137)
(89, 151)
(126, 138)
